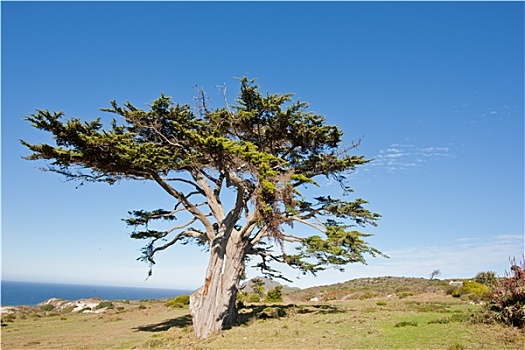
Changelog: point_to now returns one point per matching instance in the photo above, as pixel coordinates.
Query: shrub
(475, 288)
(508, 298)
(406, 324)
(254, 298)
(179, 301)
(403, 295)
(105, 304)
(368, 295)
(47, 307)
(275, 295)
(8, 318)
(456, 293)
(69, 309)
(487, 278)
(456, 346)
(449, 290)
(381, 303)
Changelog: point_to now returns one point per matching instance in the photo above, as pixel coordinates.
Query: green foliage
(179, 301)
(368, 295)
(258, 286)
(266, 150)
(453, 318)
(456, 346)
(474, 288)
(105, 305)
(487, 278)
(47, 307)
(449, 290)
(253, 298)
(381, 303)
(68, 309)
(405, 294)
(406, 324)
(8, 318)
(274, 295)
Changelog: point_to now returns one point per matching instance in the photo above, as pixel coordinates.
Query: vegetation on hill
(427, 320)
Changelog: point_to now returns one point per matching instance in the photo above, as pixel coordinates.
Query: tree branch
(187, 204)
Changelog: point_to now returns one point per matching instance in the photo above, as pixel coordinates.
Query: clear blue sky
(435, 91)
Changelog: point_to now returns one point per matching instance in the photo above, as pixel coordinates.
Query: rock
(81, 305)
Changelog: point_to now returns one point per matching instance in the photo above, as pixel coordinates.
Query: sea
(30, 293)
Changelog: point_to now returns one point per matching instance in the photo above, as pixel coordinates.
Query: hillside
(363, 288)
(269, 284)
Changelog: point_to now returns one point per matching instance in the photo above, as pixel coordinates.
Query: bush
(47, 307)
(450, 290)
(105, 304)
(368, 295)
(179, 301)
(253, 298)
(487, 278)
(8, 318)
(508, 298)
(406, 324)
(69, 309)
(474, 290)
(275, 295)
(403, 295)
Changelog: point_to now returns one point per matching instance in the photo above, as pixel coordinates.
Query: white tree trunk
(213, 306)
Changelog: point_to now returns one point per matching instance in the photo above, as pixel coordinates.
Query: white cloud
(461, 258)
(399, 156)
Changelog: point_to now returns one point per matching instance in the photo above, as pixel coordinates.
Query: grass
(429, 321)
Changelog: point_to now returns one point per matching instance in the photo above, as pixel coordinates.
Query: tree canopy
(236, 173)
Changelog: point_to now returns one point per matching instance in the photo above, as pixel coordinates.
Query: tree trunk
(213, 306)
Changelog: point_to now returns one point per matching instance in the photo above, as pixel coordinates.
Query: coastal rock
(81, 305)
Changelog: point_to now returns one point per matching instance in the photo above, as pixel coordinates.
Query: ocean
(29, 293)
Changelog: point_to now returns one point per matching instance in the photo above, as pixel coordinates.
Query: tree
(235, 175)
(275, 295)
(258, 287)
(487, 278)
(434, 274)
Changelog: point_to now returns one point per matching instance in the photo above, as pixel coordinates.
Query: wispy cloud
(463, 257)
(477, 110)
(403, 156)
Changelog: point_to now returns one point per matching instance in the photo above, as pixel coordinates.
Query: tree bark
(213, 306)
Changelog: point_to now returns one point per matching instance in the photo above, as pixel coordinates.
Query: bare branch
(214, 205)
(181, 226)
(319, 228)
(192, 208)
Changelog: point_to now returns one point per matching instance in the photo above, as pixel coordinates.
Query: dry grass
(423, 321)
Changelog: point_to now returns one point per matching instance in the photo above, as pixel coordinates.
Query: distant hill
(268, 285)
(360, 288)
(363, 288)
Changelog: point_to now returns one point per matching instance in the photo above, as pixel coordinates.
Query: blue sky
(435, 91)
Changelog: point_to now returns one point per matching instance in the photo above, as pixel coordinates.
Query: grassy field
(348, 316)
(424, 321)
